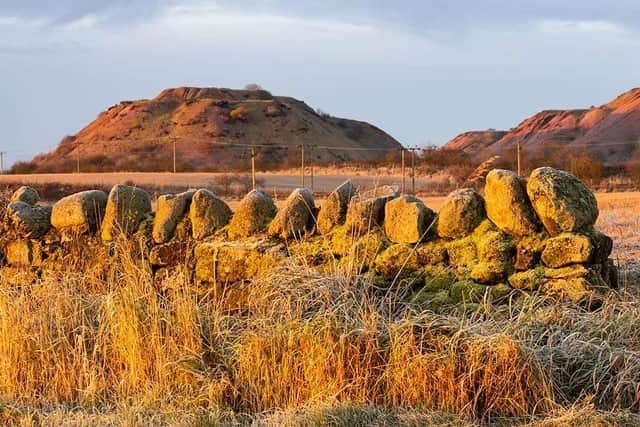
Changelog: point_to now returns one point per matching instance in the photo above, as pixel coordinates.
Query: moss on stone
(432, 253)
(529, 280)
(463, 256)
(397, 261)
(461, 213)
(566, 249)
(252, 216)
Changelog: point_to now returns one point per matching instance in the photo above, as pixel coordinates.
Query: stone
(437, 278)
(253, 215)
(561, 201)
(27, 195)
(367, 210)
(29, 221)
(171, 208)
(171, 253)
(432, 253)
(507, 203)
(568, 272)
(24, 253)
(396, 262)
(602, 246)
(567, 248)
(296, 218)
(529, 280)
(495, 253)
(462, 211)
(576, 290)
(463, 257)
(333, 211)
(407, 220)
(227, 262)
(80, 212)
(126, 208)
(208, 214)
(529, 249)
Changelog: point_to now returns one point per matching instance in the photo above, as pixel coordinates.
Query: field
(303, 348)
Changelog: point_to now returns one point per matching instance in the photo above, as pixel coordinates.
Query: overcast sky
(422, 70)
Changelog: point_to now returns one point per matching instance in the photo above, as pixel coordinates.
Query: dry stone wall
(534, 235)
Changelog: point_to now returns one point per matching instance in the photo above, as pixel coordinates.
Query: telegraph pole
(413, 171)
(311, 166)
(518, 155)
(2, 153)
(174, 156)
(253, 167)
(402, 171)
(302, 165)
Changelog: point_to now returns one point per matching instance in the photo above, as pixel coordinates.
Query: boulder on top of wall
(333, 211)
(253, 215)
(507, 203)
(366, 210)
(208, 214)
(126, 208)
(26, 194)
(563, 203)
(296, 216)
(171, 208)
(407, 220)
(80, 212)
(462, 211)
(29, 221)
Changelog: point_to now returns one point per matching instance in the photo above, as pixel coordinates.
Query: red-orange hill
(139, 135)
(611, 130)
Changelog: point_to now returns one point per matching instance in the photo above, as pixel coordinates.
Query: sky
(422, 70)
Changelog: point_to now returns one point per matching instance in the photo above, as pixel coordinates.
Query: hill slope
(611, 130)
(207, 125)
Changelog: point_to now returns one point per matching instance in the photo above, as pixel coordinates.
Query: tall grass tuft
(299, 340)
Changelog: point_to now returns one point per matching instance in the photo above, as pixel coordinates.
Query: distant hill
(205, 123)
(611, 131)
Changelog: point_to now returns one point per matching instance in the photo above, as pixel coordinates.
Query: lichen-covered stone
(310, 252)
(171, 253)
(577, 290)
(126, 208)
(529, 249)
(27, 195)
(437, 278)
(462, 211)
(333, 211)
(602, 246)
(28, 221)
(208, 214)
(253, 215)
(567, 248)
(562, 202)
(407, 220)
(226, 262)
(529, 280)
(366, 210)
(463, 256)
(507, 203)
(80, 212)
(171, 208)
(432, 253)
(495, 253)
(568, 272)
(296, 217)
(397, 261)
(24, 253)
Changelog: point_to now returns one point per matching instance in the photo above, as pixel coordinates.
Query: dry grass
(300, 348)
